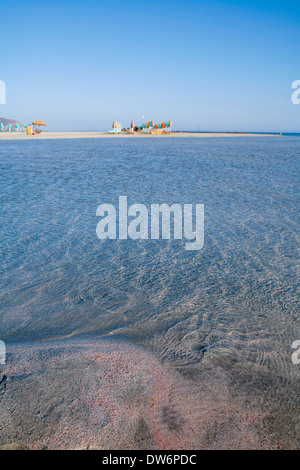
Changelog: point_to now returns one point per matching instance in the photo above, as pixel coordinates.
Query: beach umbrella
(117, 125)
(39, 123)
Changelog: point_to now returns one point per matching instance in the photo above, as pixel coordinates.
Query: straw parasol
(39, 123)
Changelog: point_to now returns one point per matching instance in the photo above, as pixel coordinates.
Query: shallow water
(231, 306)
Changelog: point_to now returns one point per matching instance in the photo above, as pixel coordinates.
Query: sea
(230, 308)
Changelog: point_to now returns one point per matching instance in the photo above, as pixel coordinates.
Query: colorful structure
(116, 128)
(161, 128)
(148, 125)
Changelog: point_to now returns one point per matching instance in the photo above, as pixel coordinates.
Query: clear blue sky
(212, 65)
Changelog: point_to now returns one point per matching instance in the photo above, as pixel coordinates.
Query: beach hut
(39, 123)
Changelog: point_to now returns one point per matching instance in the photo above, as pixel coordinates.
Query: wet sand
(95, 135)
(103, 394)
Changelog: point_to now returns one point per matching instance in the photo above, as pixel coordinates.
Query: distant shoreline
(95, 135)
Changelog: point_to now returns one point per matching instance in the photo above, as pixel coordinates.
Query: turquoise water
(231, 305)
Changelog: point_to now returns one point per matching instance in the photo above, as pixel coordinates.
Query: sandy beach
(95, 135)
(104, 394)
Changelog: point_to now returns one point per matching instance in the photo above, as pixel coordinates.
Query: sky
(205, 65)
